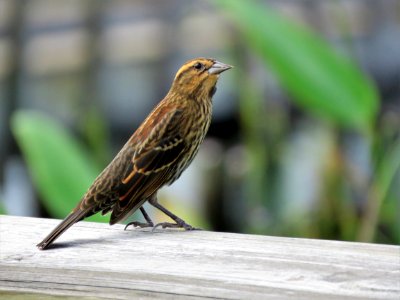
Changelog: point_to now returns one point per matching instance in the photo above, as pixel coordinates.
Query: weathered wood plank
(100, 261)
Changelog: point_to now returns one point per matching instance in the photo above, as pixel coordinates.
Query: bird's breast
(196, 131)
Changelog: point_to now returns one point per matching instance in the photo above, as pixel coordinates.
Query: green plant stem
(384, 175)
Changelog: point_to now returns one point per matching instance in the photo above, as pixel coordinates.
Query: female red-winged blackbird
(156, 154)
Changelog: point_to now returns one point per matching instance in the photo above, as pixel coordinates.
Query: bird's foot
(139, 224)
(175, 225)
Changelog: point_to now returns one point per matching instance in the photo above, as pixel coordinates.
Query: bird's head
(198, 77)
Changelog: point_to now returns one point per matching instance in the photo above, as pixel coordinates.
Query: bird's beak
(218, 68)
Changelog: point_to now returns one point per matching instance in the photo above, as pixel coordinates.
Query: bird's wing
(151, 164)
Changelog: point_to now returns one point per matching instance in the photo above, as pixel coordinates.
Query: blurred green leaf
(61, 169)
(320, 80)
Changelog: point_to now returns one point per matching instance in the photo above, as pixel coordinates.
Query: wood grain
(100, 261)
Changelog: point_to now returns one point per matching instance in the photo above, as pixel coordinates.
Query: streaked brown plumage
(156, 154)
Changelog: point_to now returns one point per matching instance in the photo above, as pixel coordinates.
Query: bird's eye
(198, 66)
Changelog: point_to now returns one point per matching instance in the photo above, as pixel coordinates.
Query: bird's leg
(140, 224)
(179, 223)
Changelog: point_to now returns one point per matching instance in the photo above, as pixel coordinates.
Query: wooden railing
(101, 261)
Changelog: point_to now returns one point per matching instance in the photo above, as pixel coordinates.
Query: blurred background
(305, 138)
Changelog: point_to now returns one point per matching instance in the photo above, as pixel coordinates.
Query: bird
(155, 155)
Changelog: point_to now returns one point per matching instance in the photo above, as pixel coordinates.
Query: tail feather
(70, 220)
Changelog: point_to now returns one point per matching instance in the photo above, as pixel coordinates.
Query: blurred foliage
(60, 167)
(2, 209)
(325, 84)
(385, 172)
(320, 80)
(97, 136)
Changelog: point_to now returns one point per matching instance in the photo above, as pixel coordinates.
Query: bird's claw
(138, 224)
(175, 225)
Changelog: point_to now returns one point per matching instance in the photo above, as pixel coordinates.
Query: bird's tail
(70, 220)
